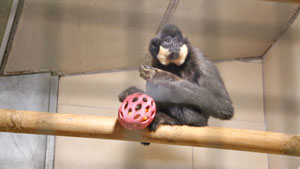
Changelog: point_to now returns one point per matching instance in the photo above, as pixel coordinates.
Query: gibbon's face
(172, 50)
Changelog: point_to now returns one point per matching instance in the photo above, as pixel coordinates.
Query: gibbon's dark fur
(187, 93)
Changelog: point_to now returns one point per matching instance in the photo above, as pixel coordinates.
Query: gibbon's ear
(186, 41)
(155, 42)
(154, 46)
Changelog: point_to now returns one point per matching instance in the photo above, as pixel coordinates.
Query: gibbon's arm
(214, 103)
(209, 95)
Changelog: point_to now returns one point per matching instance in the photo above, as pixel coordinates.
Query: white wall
(281, 72)
(97, 94)
(26, 92)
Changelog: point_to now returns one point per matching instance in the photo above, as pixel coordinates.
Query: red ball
(137, 111)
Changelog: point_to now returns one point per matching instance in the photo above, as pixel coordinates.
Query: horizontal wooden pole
(108, 128)
(288, 1)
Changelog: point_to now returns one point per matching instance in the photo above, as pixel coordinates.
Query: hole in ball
(138, 107)
(129, 111)
(134, 99)
(137, 116)
(145, 99)
(125, 106)
(121, 114)
(152, 114)
(147, 109)
(145, 118)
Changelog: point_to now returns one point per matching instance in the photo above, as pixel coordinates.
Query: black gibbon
(184, 83)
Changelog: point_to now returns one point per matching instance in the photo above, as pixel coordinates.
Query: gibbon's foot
(127, 92)
(162, 118)
(145, 144)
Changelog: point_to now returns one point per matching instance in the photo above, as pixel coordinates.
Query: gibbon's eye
(168, 40)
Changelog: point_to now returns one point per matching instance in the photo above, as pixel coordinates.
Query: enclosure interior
(77, 56)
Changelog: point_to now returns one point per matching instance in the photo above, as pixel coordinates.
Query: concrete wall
(93, 35)
(5, 6)
(5, 10)
(96, 94)
(104, 35)
(27, 92)
(281, 70)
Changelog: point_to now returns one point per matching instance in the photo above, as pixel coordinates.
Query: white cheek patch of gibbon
(182, 55)
(164, 53)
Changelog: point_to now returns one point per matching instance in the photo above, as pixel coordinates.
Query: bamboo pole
(108, 128)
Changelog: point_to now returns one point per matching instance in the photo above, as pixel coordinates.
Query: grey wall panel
(26, 92)
(5, 12)
(233, 28)
(83, 36)
(5, 6)
(87, 36)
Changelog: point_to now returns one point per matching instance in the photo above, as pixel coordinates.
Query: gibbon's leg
(162, 118)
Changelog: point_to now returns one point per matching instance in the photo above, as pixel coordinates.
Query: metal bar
(50, 146)
(8, 28)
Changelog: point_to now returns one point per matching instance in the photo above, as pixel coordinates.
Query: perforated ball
(137, 111)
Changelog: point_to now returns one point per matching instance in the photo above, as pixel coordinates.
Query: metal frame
(8, 29)
(50, 145)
